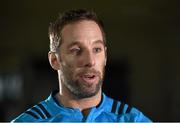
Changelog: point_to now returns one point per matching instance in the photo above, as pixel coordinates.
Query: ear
(53, 60)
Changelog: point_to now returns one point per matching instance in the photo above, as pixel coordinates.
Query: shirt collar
(53, 93)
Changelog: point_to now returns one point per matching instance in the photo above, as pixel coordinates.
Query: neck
(84, 105)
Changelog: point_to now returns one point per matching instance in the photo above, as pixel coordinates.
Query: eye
(75, 51)
(97, 50)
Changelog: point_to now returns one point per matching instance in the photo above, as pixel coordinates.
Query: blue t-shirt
(109, 110)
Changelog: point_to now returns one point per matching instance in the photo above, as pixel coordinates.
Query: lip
(89, 78)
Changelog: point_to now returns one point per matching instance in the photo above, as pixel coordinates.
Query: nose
(89, 59)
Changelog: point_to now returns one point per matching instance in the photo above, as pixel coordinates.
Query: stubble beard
(79, 89)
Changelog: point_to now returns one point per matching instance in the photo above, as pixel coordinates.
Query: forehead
(85, 31)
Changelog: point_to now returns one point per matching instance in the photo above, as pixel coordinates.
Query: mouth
(89, 78)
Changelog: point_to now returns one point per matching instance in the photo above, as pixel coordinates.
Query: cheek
(101, 61)
(68, 66)
(67, 61)
(100, 65)
(79, 62)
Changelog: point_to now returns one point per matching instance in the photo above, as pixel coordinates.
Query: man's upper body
(109, 110)
(78, 54)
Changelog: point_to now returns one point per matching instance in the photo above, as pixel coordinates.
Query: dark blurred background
(143, 39)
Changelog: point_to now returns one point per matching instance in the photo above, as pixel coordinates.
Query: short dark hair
(68, 17)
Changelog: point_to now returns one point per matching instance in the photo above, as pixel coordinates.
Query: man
(78, 54)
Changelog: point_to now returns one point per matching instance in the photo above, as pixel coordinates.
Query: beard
(81, 89)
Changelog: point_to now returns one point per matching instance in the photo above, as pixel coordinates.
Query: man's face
(82, 58)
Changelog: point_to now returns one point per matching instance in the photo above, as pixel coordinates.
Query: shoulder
(116, 106)
(125, 112)
(36, 113)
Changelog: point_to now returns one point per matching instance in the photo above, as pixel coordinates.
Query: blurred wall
(143, 50)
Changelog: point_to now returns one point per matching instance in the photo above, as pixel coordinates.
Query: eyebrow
(74, 43)
(78, 43)
(99, 41)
